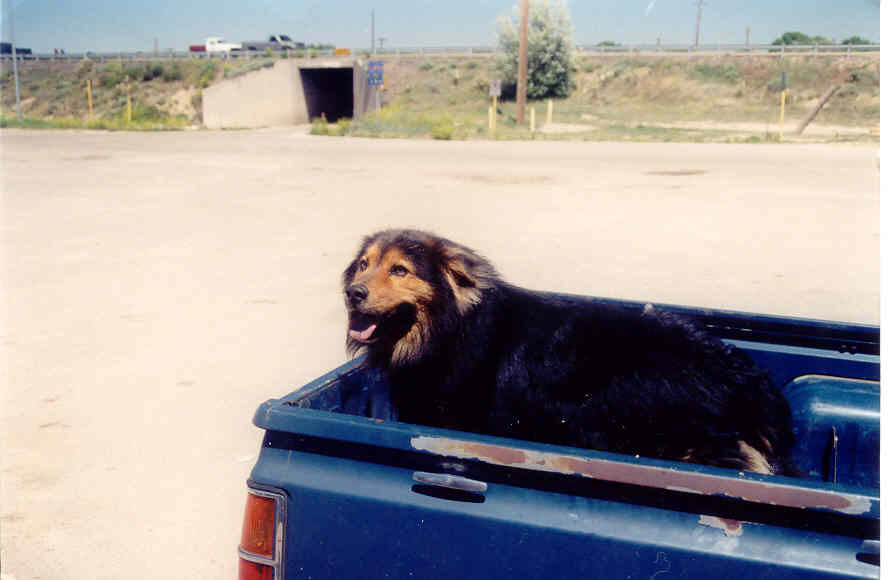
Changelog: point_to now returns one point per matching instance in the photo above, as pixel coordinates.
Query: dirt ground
(160, 286)
(742, 128)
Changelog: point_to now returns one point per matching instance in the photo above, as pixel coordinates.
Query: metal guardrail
(583, 49)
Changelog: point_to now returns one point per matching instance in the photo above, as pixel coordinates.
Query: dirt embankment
(655, 90)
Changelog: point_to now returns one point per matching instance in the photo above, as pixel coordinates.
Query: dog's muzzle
(356, 294)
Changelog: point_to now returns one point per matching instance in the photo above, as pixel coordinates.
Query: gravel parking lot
(161, 285)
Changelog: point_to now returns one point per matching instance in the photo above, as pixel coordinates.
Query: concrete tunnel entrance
(328, 91)
(292, 92)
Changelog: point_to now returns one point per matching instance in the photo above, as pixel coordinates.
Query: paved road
(161, 285)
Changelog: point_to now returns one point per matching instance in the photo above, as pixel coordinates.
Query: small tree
(550, 49)
(856, 40)
(800, 38)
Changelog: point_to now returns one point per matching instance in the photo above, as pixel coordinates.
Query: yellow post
(549, 111)
(129, 105)
(490, 121)
(89, 97)
(532, 119)
(494, 117)
(781, 118)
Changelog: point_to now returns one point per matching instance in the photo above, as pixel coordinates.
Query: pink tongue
(363, 335)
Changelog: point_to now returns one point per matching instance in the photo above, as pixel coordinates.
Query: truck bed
(368, 496)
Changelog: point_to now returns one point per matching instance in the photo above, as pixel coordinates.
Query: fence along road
(647, 49)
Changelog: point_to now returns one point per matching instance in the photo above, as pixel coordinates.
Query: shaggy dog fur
(465, 350)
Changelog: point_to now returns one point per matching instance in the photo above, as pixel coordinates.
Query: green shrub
(550, 49)
(444, 130)
(134, 73)
(111, 75)
(342, 128)
(173, 73)
(144, 117)
(145, 113)
(62, 93)
(208, 74)
(774, 85)
(426, 66)
(320, 127)
(718, 73)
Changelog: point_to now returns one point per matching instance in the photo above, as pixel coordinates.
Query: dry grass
(446, 97)
(54, 93)
(637, 98)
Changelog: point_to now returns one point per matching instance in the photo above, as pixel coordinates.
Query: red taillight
(261, 536)
(253, 571)
(258, 532)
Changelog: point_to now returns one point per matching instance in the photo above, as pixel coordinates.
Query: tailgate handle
(450, 482)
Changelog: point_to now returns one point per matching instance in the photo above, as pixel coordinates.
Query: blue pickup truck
(341, 489)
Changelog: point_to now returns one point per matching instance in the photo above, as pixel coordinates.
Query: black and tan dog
(465, 350)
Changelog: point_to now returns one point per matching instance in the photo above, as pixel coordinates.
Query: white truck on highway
(216, 44)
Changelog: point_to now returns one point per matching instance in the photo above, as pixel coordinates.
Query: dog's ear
(467, 273)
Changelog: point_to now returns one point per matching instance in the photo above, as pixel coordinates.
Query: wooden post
(818, 107)
(378, 102)
(494, 126)
(781, 117)
(89, 97)
(129, 104)
(549, 111)
(532, 120)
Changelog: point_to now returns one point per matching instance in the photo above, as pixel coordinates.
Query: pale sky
(112, 25)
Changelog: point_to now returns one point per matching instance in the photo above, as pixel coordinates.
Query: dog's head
(405, 287)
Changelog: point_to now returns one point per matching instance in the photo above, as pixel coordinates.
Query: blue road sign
(375, 73)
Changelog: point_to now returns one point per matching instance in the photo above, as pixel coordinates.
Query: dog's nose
(356, 293)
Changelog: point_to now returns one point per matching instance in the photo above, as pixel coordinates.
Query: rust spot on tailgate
(730, 527)
(646, 475)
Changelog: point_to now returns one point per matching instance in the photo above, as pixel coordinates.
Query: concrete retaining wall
(274, 96)
(262, 98)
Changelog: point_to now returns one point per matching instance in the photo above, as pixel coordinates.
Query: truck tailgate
(369, 497)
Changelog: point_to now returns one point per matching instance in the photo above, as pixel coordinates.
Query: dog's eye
(398, 270)
(362, 265)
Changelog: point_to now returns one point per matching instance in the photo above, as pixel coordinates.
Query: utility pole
(698, 30)
(15, 67)
(373, 36)
(522, 88)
